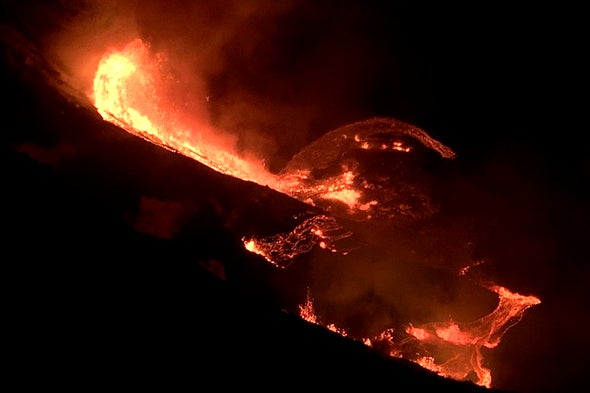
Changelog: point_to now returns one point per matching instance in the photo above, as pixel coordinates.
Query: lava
(449, 348)
(126, 91)
(464, 341)
(130, 88)
(282, 248)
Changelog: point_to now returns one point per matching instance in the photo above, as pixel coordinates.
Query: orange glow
(307, 313)
(128, 92)
(420, 334)
(400, 147)
(464, 270)
(465, 340)
(306, 310)
(132, 89)
(461, 342)
(280, 249)
(251, 246)
(347, 196)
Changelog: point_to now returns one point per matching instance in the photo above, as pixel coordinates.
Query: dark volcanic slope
(123, 265)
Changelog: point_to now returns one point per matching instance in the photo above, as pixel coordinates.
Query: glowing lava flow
(126, 92)
(129, 88)
(449, 348)
(282, 248)
(463, 341)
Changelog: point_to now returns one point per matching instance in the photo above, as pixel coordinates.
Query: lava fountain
(127, 91)
(130, 90)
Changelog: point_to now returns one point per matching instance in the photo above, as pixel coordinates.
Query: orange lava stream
(126, 93)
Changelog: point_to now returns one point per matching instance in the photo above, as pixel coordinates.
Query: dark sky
(497, 84)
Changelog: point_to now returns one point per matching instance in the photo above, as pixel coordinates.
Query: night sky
(499, 85)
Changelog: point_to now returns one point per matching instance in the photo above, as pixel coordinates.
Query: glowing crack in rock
(282, 248)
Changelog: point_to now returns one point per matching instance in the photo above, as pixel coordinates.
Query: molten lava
(463, 341)
(130, 90)
(449, 348)
(127, 92)
(280, 249)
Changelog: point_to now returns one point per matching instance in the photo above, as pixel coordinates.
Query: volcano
(125, 270)
(363, 258)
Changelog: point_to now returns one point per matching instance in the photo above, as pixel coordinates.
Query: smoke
(389, 286)
(198, 40)
(275, 76)
(79, 34)
(265, 71)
